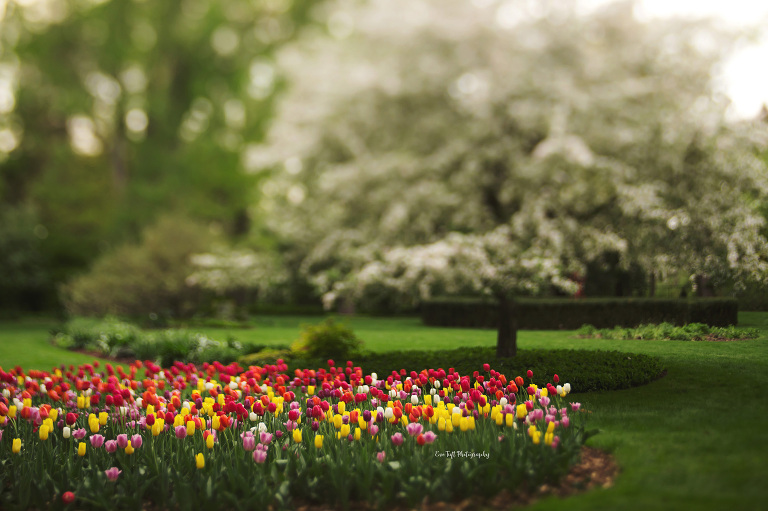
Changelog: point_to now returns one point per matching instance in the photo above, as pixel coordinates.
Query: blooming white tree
(495, 147)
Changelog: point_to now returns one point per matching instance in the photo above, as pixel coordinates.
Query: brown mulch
(597, 469)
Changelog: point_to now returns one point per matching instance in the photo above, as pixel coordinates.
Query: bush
(570, 314)
(117, 339)
(145, 280)
(586, 370)
(328, 339)
(667, 331)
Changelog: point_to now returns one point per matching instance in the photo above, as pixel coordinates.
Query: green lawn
(692, 440)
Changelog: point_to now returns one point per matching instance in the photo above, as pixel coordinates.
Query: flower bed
(216, 436)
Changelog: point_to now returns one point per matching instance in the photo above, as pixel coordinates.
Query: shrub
(328, 339)
(569, 314)
(667, 331)
(144, 280)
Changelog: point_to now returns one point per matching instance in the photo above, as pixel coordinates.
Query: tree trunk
(506, 341)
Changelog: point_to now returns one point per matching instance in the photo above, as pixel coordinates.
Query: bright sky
(745, 75)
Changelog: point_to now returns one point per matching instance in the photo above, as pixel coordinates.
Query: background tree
(112, 113)
(544, 140)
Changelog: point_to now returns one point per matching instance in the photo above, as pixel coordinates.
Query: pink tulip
(414, 428)
(136, 441)
(381, 456)
(575, 406)
(97, 441)
(265, 437)
(249, 442)
(181, 432)
(110, 446)
(79, 434)
(397, 439)
(374, 429)
(122, 441)
(112, 473)
(259, 456)
(429, 437)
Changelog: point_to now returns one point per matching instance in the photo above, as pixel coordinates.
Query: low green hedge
(570, 314)
(585, 370)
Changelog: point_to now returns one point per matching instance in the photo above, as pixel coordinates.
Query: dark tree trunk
(506, 341)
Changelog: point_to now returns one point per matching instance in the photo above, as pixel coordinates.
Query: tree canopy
(528, 145)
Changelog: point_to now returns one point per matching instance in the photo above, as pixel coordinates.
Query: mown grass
(694, 439)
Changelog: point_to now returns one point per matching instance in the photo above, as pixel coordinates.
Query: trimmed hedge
(570, 314)
(585, 370)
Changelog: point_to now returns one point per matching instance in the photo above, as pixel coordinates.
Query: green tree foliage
(114, 112)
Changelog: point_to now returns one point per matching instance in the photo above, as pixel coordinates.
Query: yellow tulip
(548, 438)
(448, 427)
(344, 429)
(150, 409)
(500, 418)
(81, 449)
(43, 432)
(200, 460)
(441, 424)
(319, 441)
(522, 411)
(209, 442)
(53, 414)
(311, 390)
(427, 399)
(551, 427)
(357, 434)
(297, 435)
(12, 412)
(361, 423)
(16, 448)
(215, 422)
(510, 420)
(81, 402)
(463, 423)
(94, 425)
(456, 419)
(190, 428)
(337, 421)
(129, 448)
(342, 406)
(103, 416)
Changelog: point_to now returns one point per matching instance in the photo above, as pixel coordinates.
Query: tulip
(16, 448)
(297, 435)
(199, 460)
(575, 406)
(81, 449)
(136, 441)
(122, 441)
(319, 441)
(259, 456)
(181, 432)
(113, 473)
(79, 434)
(414, 429)
(373, 429)
(209, 442)
(265, 437)
(96, 441)
(68, 497)
(429, 437)
(66, 432)
(129, 448)
(190, 428)
(103, 416)
(249, 442)
(110, 446)
(381, 456)
(397, 439)
(43, 432)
